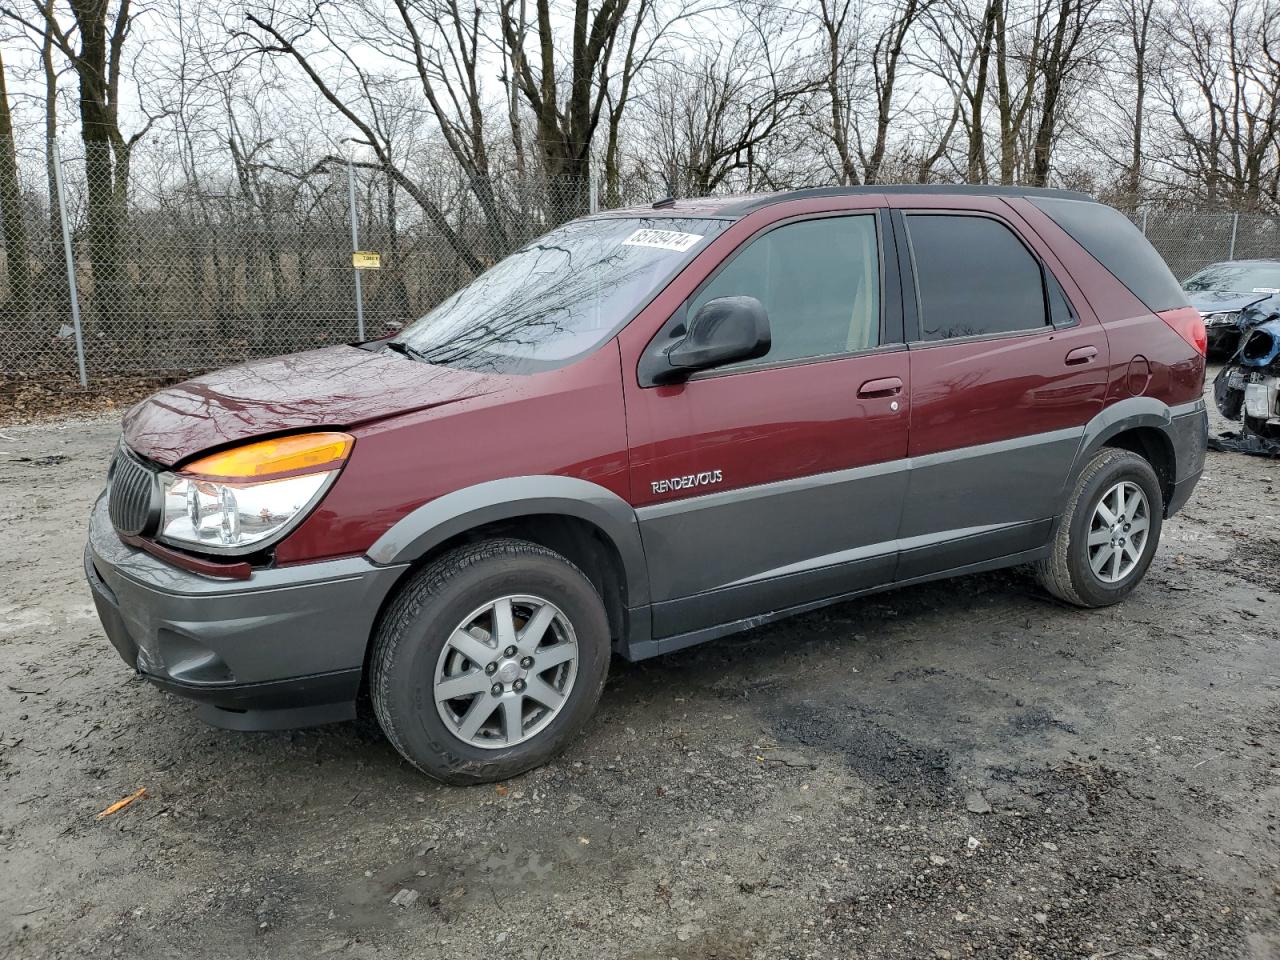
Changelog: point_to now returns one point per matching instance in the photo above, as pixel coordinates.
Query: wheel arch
(591, 526)
(1140, 425)
(1153, 445)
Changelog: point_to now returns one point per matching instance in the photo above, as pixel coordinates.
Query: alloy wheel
(1118, 531)
(506, 671)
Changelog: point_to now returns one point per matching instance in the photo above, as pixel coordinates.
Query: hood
(328, 388)
(1222, 301)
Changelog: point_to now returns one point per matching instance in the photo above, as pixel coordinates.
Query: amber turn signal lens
(273, 457)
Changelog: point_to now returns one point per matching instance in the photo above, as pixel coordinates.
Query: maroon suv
(647, 429)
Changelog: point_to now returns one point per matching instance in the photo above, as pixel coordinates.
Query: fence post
(1144, 221)
(1235, 224)
(70, 257)
(355, 246)
(593, 200)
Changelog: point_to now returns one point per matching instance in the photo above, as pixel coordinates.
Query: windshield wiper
(413, 353)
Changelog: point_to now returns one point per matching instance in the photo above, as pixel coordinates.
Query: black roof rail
(926, 189)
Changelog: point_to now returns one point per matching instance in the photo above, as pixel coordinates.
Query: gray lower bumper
(284, 648)
(1189, 434)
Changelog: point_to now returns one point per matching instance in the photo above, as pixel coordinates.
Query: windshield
(558, 298)
(1237, 278)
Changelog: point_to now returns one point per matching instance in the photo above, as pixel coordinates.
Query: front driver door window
(819, 282)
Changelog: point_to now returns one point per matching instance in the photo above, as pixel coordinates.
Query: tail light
(1187, 323)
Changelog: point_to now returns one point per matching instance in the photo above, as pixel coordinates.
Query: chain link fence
(162, 281)
(1190, 240)
(101, 282)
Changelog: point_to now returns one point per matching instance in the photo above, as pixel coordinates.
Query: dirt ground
(961, 769)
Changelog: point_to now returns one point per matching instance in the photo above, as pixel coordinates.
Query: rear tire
(1096, 557)
(466, 624)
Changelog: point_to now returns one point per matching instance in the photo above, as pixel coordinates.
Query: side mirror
(724, 330)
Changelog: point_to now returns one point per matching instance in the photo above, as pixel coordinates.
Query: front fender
(433, 523)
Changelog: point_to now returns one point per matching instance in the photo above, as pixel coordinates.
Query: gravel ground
(961, 769)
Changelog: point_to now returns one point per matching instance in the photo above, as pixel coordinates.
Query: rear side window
(974, 278)
(819, 281)
(1120, 247)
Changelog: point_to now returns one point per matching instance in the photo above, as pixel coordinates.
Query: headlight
(1219, 319)
(245, 498)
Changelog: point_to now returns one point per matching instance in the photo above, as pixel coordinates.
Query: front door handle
(1081, 355)
(884, 387)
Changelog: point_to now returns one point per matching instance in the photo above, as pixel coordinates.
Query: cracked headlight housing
(1220, 319)
(246, 498)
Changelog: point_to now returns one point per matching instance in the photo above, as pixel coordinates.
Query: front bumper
(284, 648)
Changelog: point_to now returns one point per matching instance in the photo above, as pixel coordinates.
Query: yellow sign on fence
(366, 260)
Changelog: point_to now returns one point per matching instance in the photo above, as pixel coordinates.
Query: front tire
(489, 661)
(1108, 533)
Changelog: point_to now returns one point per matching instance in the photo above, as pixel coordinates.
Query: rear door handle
(1081, 355)
(884, 387)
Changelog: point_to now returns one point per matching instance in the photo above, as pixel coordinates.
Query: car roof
(739, 205)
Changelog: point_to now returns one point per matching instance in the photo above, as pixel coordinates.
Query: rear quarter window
(1119, 246)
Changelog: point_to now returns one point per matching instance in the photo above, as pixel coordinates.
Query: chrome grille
(131, 494)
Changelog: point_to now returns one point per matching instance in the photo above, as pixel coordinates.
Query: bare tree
(646, 32)
(863, 55)
(1222, 92)
(1012, 102)
(449, 76)
(711, 116)
(95, 46)
(962, 43)
(886, 61)
(565, 116)
(1072, 40)
(840, 24)
(51, 74)
(284, 30)
(13, 227)
(475, 125)
(976, 165)
(1136, 20)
